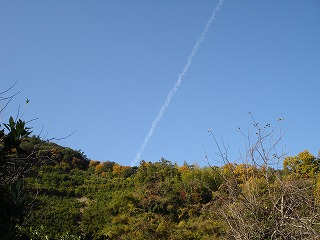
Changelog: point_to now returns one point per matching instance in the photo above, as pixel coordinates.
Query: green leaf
(1, 133)
(18, 186)
(19, 127)
(7, 126)
(11, 122)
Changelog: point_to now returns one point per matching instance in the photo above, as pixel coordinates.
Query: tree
(13, 168)
(14, 165)
(304, 164)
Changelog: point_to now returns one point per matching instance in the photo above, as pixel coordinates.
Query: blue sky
(104, 69)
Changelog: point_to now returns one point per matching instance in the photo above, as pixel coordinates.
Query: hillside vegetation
(53, 192)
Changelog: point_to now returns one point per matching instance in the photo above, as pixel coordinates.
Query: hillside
(64, 195)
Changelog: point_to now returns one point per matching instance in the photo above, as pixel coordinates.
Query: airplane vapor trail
(174, 89)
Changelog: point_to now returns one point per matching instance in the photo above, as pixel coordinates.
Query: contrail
(178, 82)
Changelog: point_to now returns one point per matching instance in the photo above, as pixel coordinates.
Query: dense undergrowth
(53, 192)
(75, 198)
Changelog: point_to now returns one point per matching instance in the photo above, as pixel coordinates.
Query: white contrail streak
(178, 82)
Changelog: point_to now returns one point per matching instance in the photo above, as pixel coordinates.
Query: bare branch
(58, 139)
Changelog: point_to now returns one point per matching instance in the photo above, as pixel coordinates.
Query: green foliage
(151, 202)
(53, 154)
(200, 183)
(304, 164)
(56, 216)
(158, 200)
(16, 131)
(14, 201)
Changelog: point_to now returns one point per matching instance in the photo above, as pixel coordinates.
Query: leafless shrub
(258, 201)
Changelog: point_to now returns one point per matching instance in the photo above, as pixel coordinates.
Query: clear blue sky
(104, 68)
